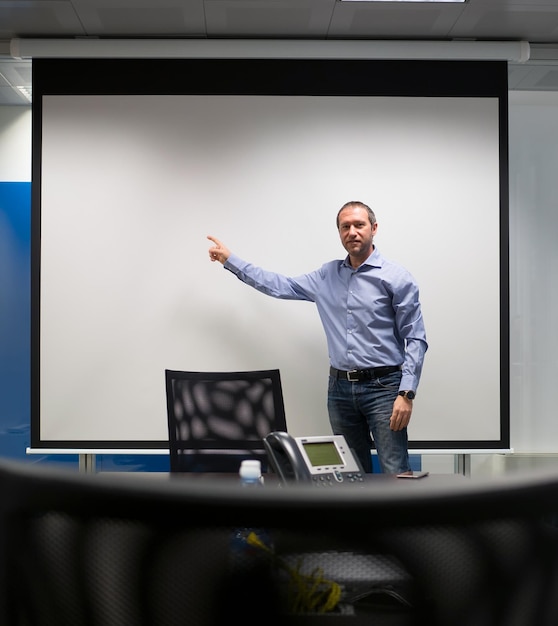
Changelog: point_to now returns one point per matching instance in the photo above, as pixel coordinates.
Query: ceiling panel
(138, 18)
(529, 22)
(304, 19)
(39, 19)
(393, 20)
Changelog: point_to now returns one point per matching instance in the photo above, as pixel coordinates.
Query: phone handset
(285, 457)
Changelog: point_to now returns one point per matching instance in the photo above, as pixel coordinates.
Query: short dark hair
(359, 205)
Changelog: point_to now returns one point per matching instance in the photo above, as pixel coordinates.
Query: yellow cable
(311, 593)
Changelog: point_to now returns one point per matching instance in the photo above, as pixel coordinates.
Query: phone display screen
(324, 453)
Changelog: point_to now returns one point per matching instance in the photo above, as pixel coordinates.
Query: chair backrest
(93, 550)
(218, 419)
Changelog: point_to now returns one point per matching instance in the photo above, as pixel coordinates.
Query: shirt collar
(374, 260)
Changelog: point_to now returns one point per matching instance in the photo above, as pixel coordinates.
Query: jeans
(361, 411)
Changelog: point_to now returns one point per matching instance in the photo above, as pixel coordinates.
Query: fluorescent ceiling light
(421, 1)
(25, 91)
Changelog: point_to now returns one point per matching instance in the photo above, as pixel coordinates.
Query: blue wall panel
(15, 317)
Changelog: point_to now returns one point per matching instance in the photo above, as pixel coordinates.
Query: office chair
(93, 550)
(218, 419)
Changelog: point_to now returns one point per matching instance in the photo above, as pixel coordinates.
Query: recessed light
(26, 91)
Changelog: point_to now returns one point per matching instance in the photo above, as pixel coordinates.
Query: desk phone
(325, 461)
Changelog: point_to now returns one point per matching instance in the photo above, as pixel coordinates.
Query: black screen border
(310, 77)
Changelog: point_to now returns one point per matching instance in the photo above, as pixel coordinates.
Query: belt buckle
(352, 380)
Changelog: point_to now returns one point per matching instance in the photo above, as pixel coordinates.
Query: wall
(533, 292)
(533, 270)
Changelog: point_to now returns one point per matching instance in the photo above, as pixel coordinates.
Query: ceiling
(535, 21)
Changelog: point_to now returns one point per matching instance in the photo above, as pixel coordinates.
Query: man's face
(356, 232)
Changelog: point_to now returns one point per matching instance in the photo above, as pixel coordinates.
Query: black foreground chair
(218, 419)
(94, 550)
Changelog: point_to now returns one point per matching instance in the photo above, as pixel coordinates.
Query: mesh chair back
(218, 419)
(91, 550)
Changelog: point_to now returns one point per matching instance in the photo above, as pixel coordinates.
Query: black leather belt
(357, 376)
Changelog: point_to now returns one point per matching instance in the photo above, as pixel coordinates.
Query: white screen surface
(131, 186)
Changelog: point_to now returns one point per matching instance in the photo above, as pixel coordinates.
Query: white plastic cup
(251, 472)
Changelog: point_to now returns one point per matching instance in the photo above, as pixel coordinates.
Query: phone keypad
(337, 478)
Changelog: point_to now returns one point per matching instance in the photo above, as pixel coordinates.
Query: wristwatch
(410, 395)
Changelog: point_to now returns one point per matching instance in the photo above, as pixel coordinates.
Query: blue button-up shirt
(371, 315)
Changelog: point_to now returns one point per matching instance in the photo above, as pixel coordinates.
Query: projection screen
(135, 162)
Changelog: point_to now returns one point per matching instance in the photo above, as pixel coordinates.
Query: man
(372, 318)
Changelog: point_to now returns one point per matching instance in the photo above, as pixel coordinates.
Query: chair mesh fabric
(218, 419)
(90, 550)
